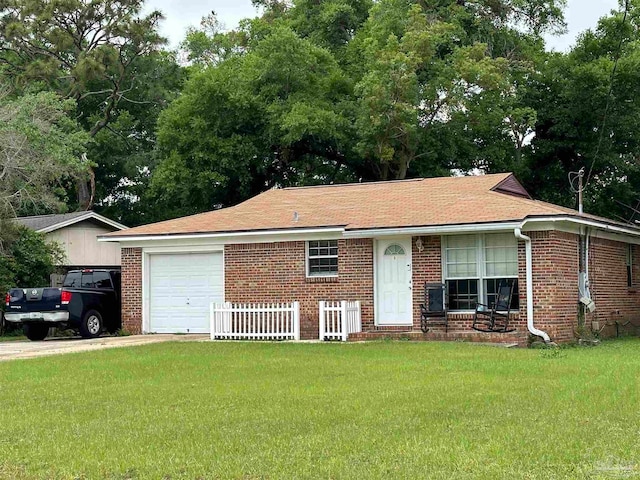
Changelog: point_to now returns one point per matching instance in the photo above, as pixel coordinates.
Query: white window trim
(306, 260)
(480, 266)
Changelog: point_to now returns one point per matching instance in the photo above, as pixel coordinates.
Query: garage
(181, 289)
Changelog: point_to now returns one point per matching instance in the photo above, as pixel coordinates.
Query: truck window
(72, 280)
(87, 280)
(101, 279)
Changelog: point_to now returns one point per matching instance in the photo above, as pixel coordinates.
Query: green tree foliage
(103, 54)
(28, 260)
(272, 116)
(574, 96)
(41, 150)
(344, 90)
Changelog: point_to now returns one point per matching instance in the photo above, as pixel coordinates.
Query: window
(491, 291)
(72, 280)
(102, 279)
(322, 258)
(87, 280)
(463, 294)
(475, 265)
(394, 250)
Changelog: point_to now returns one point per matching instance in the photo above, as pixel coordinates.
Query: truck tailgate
(24, 300)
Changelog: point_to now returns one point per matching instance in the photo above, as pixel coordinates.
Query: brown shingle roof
(407, 203)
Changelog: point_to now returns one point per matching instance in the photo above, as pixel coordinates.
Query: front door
(393, 282)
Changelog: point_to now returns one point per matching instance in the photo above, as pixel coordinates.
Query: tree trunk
(84, 194)
(401, 174)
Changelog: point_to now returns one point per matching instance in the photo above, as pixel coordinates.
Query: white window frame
(307, 258)
(481, 273)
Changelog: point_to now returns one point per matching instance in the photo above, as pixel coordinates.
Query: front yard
(374, 410)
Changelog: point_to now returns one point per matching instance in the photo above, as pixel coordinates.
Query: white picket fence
(339, 319)
(264, 321)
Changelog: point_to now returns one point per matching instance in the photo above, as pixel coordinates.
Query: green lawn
(278, 410)
(11, 338)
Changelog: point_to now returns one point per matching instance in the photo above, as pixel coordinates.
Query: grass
(373, 410)
(11, 338)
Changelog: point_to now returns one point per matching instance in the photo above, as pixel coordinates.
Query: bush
(28, 260)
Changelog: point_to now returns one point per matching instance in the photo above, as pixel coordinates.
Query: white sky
(580, 15)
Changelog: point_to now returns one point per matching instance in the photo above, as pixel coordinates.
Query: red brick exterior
(132, 290)
(555, 283)
(615, 300)
(426, 268)
(275, 272)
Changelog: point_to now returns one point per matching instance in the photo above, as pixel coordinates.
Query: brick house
(378, 243)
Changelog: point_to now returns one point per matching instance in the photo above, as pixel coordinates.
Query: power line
(606, 108)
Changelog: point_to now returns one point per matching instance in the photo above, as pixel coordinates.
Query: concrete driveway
(13, 350)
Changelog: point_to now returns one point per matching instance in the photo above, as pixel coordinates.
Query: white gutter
(432, 230)
(586, 222)
(221, 235)
(529, 277)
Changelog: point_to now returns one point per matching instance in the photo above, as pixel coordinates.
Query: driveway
(18, 349)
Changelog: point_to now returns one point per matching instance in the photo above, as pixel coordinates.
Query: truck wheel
(36, 331)
(91, 325)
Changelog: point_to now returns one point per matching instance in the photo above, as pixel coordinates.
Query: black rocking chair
(434, 309)
(495, 317)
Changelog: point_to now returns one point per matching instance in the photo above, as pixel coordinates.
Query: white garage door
(181, 288)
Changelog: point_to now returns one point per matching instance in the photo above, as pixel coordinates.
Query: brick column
(132, 290)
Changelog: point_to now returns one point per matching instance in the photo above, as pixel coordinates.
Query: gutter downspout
(529, 266)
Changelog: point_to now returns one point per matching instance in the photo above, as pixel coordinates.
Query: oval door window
(394, 249)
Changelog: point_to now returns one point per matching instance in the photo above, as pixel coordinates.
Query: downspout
(529, 266)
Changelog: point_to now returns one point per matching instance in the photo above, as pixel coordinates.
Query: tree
(587, 117)
(344, 90)
(86, 50)
(29, 259)
(271, 116)
(41, 148)
(125, 151)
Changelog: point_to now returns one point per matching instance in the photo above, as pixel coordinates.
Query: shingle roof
(407, 203)
(39, 222)
(51, 222)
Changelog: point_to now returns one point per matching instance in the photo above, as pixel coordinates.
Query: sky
(580, 15)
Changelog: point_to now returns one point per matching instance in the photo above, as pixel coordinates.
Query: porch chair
(495, 317)
(434, 309)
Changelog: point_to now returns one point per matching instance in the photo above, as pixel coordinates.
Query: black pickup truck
(89, 301)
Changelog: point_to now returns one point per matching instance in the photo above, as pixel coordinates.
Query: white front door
(393, 282)
(181, 289)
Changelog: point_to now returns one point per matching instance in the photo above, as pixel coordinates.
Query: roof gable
(511, 186)
(50, 223)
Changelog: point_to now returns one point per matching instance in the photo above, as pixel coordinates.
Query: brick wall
(615, 300)
(555, 283)
(132, 290)
(275, 272)
(426, 268)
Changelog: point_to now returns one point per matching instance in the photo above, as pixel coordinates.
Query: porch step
(504, 339)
